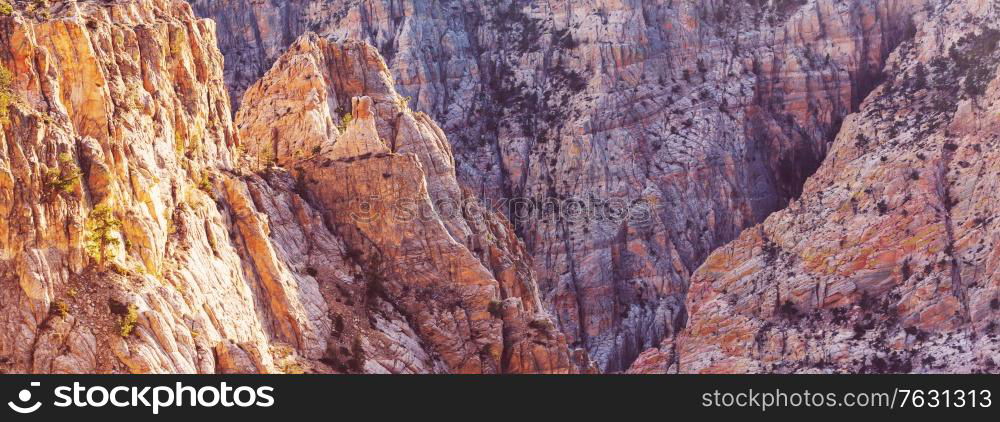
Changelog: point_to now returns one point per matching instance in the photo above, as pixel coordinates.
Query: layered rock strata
(887, 263)
(140, 234)
(695, 119)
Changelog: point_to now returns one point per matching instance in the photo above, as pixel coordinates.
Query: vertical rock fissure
(943, 190)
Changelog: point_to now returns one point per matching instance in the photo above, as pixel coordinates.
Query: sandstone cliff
(673, 125)
(682, 186)
(887, 263)
(140, 234)
(386, 184)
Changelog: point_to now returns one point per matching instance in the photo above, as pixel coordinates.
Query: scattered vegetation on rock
(973, 58)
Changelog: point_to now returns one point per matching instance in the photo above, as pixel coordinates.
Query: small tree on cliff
(102, 234)
(6, 93)
(345, 120)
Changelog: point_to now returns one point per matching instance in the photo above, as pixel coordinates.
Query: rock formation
(242, 186)
(128, 117)
(411, 229)
(697, 119)
(141, 234)
(360, 137)
(887, 262)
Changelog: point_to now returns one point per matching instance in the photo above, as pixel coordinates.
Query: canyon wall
(144, 231)
(630, 138)
(450, 186)
(888, 262)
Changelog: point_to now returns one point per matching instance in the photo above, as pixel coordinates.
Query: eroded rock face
(405, 222)
(332, 228)
(139, 234)
(360, 136)
(696, 119)
(123, 107)
(887, 263)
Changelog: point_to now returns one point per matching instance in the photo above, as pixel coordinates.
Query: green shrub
(6, 82)
(59, 308)
(5, 8)
(403, 102)
(543, 325)
(66, 177)
(128, 320)
(344, 121)
(205, 183)
(495, 308)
